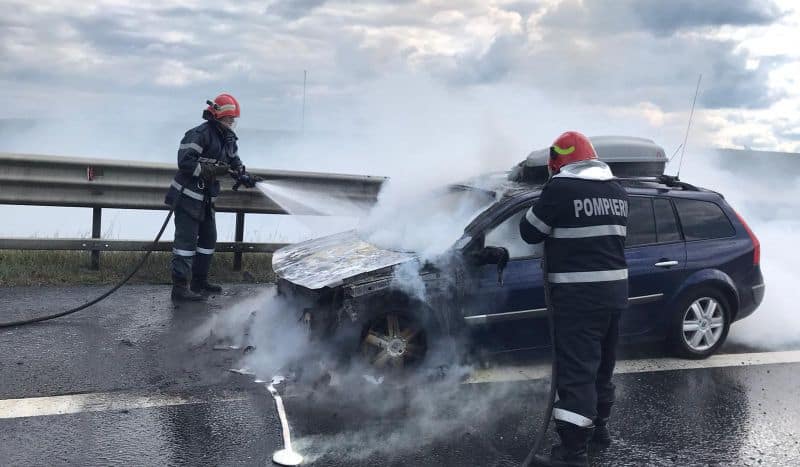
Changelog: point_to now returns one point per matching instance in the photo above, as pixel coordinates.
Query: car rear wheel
(700, 325)
(393, 342)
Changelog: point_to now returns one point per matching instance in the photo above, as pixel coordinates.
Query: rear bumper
(752, 294)
(755, 295)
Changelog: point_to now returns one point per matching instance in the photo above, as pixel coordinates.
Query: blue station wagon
(693, 268)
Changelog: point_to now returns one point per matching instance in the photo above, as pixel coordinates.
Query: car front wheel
(700, 325)
(393, 342)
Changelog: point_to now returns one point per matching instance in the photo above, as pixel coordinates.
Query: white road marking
(648, 365)
(102, 402)
(116, 401)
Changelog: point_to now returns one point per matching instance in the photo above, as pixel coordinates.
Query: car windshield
(428, 224)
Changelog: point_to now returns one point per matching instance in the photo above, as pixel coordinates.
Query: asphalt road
(134, 381)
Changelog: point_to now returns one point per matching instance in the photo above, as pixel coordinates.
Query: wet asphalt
(137, 346)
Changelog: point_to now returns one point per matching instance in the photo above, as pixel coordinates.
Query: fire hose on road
(127, 278)
(108, 293)
(551, 397)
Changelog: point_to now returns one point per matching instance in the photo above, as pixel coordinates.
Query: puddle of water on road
(287, 455)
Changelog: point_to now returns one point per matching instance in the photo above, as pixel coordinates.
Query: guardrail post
(97, 215)
(237, 256)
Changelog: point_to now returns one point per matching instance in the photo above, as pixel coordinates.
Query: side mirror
(493, 255)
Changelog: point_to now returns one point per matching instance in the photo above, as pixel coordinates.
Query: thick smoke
(767, 196)
(425, 407)
(266, 327)
(425, 222)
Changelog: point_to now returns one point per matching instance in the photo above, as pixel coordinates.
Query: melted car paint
(329, 260)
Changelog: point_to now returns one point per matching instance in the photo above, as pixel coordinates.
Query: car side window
(641, 222)
(507, 235)
(702, 220)
(666, 224)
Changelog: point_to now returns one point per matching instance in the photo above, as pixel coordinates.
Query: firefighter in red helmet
(581, 216)
(206, 152)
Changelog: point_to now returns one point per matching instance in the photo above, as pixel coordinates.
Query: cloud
(293, 9)
(616, 54)
(665, 18)
(661, 18)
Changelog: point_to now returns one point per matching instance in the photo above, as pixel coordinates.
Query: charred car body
(693, 268)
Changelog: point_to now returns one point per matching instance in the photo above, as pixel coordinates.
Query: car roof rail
(670, 181)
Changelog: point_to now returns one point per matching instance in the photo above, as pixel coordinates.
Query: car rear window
(666, 223)
(703, 220)
(641, 222)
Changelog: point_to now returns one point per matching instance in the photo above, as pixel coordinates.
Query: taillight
(756, 243)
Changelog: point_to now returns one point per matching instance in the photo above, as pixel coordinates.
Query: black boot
(181, 293)
(202, 286)
(601, 438)
(572, 452)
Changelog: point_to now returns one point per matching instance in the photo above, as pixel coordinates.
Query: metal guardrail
(40, 180)
(99, 183)
(82, 244)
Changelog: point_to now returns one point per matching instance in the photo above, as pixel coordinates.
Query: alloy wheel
(703, 324)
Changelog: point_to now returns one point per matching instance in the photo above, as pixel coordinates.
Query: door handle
(666, 264)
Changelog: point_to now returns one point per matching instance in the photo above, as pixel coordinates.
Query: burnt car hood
(329, 261)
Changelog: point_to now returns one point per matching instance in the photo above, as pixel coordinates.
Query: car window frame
(655, 226)
(655, 222)
(721, 208)
(506, 212)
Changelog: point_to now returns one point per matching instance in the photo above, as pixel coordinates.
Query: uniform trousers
(194, 245)
(586, 349)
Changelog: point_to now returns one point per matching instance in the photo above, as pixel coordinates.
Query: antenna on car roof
(675, 153)
(688, 127)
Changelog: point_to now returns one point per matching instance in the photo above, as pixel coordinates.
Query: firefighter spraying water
(206, 152)
(581, 217)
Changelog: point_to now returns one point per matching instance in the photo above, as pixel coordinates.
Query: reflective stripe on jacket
(583, 222)
(206, 143)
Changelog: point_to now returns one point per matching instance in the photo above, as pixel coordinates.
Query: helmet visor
(229, 122)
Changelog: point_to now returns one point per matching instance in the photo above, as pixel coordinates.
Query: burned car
(393, 291)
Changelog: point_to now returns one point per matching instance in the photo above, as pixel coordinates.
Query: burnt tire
(700, 323)
(393, 343)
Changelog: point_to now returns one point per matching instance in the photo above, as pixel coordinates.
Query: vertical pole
(96, 227)
(237, 256)
(303, 122)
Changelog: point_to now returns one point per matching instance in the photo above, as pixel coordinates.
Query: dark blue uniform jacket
(206, 143)
(583, 222)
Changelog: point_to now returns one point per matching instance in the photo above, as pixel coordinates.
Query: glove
(247, 180)
(244, 178)
(209, 171)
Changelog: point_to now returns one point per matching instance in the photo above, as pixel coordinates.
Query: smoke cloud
(767, 196)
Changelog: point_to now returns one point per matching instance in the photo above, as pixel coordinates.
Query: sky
(157, 61)
(412, 89)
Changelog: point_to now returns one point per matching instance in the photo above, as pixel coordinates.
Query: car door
(656, 255)
(510, 314)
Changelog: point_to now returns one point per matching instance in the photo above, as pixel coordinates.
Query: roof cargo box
(627, 156)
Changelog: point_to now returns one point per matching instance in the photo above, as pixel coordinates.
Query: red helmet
(224, 105)
(568, 148)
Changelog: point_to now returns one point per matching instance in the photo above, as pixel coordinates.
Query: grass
(73, 267)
